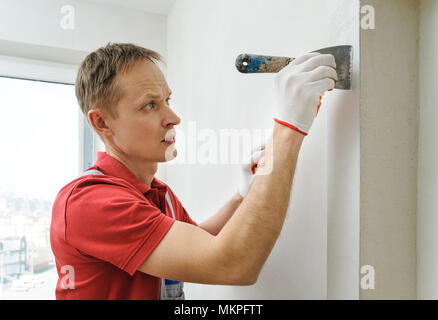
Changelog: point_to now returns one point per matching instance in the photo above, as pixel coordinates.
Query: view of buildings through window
(39, 143)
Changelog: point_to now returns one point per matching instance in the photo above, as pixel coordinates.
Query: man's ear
(98, 121)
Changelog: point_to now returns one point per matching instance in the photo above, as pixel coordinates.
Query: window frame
(59, 73)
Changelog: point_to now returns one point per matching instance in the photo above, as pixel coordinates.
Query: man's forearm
(215, 223)
(250, 234)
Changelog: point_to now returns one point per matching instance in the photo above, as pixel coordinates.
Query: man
(117, 232)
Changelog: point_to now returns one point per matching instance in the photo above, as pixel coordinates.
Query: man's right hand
(299, 87)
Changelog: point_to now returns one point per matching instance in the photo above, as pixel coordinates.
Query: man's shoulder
(94, 185)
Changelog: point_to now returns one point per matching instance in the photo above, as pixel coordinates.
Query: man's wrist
(283, 132)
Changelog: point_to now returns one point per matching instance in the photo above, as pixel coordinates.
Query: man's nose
(171, 118)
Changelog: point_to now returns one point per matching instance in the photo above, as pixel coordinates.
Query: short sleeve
(114, 223)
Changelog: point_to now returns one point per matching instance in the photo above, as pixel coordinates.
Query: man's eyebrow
(153, 95)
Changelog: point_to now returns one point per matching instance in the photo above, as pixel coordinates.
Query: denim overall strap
(170, 289)
(90, 172)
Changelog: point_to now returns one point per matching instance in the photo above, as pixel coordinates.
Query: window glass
(39, 145)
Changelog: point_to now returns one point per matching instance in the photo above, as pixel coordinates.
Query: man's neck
(145, 171)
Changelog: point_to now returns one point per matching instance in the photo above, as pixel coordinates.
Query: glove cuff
(290, 126)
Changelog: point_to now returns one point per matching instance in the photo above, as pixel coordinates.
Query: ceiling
(154, 6)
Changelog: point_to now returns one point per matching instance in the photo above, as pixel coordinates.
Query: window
(40, 147)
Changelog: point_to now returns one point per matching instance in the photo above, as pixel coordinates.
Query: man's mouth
(170, 138)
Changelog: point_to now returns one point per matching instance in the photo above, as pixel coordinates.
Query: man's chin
(170, 153)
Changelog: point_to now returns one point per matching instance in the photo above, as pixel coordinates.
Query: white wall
(316, 256)
(427, 222)
(38, 23)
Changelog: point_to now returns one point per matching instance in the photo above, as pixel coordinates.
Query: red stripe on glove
(290, 126)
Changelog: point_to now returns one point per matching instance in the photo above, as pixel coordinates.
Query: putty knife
(252, 63)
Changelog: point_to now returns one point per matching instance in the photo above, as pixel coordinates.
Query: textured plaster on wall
(389, 134)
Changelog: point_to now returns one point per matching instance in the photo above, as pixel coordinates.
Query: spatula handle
(253, 63)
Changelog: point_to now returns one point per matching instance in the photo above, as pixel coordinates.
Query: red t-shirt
(104, 227)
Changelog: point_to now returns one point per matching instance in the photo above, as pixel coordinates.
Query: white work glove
(299, 88)
(249, 168)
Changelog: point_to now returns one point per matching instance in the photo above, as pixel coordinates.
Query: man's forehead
(144, 77)
(151, 85)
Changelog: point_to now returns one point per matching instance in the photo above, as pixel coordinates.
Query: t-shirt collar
(113, 167)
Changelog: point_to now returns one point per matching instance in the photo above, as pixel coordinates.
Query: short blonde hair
(95, 85)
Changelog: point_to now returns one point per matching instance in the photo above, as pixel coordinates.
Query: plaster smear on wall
(204, 38)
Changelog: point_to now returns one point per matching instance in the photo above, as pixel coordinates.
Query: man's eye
(149, 104)
(152, 105)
